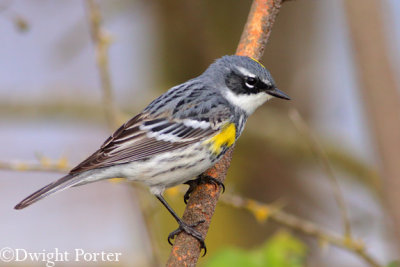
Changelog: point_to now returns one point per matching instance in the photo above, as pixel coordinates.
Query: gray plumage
(176, 125)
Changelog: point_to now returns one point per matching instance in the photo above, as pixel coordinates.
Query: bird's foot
(202, 179)
(189, 229)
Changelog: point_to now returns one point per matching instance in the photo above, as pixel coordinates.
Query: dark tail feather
(59, 185)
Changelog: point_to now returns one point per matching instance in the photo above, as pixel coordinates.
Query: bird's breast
(224, 139)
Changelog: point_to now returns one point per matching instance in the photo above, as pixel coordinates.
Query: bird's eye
(251, 82)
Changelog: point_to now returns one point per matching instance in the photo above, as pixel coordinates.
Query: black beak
(278, 93)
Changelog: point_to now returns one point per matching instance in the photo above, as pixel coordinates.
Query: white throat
(248, 103)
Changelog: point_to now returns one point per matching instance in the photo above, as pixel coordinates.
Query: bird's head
(245, 82)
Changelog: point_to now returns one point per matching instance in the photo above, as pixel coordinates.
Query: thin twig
(303, 128)
(102, 42)
(44, 165)
(264, 211)
(203, 200)
(261, 211)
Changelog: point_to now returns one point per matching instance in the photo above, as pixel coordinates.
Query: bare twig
(203, 200)
(44, 165)
(303, 128)
(102, 42)
(264, 211)
(261, 211)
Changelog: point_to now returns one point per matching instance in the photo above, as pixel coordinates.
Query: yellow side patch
(226, 138)
(116, 180)
(257, 61)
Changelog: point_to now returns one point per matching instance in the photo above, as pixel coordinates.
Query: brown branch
(203, 200)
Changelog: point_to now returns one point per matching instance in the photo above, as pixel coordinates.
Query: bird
(179, 135)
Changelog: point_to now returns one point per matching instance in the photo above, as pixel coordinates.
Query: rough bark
(203, 200)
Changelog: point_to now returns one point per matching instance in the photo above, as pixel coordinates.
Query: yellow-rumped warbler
(179, 135)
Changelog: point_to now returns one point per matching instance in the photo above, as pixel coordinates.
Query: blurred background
(339, 62)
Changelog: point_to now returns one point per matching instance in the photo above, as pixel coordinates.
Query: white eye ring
(251, 82)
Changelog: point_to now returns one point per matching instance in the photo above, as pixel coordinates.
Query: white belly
(168, 169)
(160, 172)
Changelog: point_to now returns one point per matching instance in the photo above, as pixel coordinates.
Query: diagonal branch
(261, 211)
(264, 211)
(203, 200)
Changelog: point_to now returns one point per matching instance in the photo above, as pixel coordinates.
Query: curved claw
(189, 229)
(192, 185)
(172, 236)
(216, 183)
(203, 246)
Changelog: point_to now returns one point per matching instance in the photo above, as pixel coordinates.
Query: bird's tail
(57, 186)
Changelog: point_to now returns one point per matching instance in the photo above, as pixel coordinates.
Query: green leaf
(284, 250)
(394, 264)
(281, 250)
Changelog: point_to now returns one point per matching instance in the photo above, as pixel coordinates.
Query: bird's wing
(145, 136)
